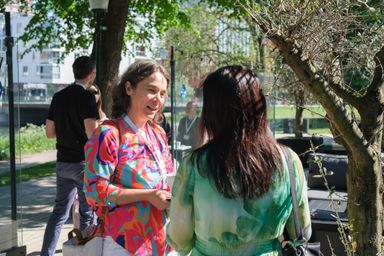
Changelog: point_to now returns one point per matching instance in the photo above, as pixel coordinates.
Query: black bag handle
(299, 234)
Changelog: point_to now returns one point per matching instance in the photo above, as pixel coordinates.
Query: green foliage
(369, 15)
(29, 139)
(39, 171)
(69, 23)
(59, 24)
(288, 111)
(358, 79)
(217, 39)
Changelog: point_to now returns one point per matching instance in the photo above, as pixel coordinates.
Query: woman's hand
(158, 198)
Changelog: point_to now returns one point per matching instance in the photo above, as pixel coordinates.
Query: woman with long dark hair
(232, 196)
(95, 90)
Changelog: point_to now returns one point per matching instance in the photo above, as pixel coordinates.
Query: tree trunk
(299, 124)
(365, 210)
(257, 39)
(112, 45)
(362, 141)
(261, 48)
(299, 101)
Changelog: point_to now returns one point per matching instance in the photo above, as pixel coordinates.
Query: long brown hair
(135, 73)
(95, 90)
(241, 154)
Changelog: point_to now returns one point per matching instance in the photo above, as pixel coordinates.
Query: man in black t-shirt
(71, 120)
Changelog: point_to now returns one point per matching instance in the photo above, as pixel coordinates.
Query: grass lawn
(314, 111)
(320, 131)
(35, 172)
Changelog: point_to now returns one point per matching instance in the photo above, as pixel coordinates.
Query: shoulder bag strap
(299, 235)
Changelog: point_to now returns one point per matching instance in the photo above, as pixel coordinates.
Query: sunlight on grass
(26, 174)
(29, 139)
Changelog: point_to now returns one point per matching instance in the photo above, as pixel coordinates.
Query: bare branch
(316, 84)
(348, 95)
(378, 75)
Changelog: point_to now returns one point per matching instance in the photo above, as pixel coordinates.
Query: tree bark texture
(362, 141)
(112, 45)
(299, 122)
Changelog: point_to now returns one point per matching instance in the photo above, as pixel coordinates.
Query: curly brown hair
(135, 73)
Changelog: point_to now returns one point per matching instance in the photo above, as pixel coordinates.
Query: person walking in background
(71, 120)
(231, 196)
(127, 162)
(94, 89)
(188, 127)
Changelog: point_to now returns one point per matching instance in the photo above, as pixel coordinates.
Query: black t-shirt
(69, 108)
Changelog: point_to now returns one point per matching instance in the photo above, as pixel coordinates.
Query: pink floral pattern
(116, 158)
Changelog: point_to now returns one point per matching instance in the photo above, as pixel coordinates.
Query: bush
(29, 139)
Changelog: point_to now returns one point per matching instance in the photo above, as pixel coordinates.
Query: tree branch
(319, 87)
(378, 78)
(348, 95)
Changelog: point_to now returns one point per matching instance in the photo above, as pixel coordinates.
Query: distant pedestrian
(71, 120)
(188, 127)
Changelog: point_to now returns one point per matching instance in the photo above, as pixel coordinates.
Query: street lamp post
(173, 78)
(99, 8)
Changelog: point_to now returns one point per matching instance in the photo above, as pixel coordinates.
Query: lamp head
(99, 5)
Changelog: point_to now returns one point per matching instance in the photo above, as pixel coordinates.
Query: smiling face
(147, 98)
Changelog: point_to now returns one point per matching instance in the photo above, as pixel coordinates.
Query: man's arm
(50, 129)
(90, 124)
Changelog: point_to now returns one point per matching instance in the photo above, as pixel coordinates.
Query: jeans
(69, 181)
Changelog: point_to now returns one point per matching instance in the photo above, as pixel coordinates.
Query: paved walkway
(35, 199)
(29, 160)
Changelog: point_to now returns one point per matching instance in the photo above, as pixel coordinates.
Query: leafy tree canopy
(69, 23)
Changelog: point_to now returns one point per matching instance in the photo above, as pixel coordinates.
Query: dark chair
(324, 205)
(301, 146)
(334, 168)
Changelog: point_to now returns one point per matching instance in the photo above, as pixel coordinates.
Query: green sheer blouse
(204, 222)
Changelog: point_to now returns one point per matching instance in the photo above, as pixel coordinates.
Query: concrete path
(35, 199)
(29, 160)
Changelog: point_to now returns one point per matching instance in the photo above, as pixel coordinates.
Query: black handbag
(304, 248)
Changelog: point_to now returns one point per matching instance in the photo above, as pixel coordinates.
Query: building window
(140, 50)
(2, 28)
(55, 56)
(56, 72)
(46, 72)
(50, 57)
(25, 70)
(44, 56)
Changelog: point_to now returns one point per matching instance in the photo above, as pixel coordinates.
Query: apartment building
(47, 67)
